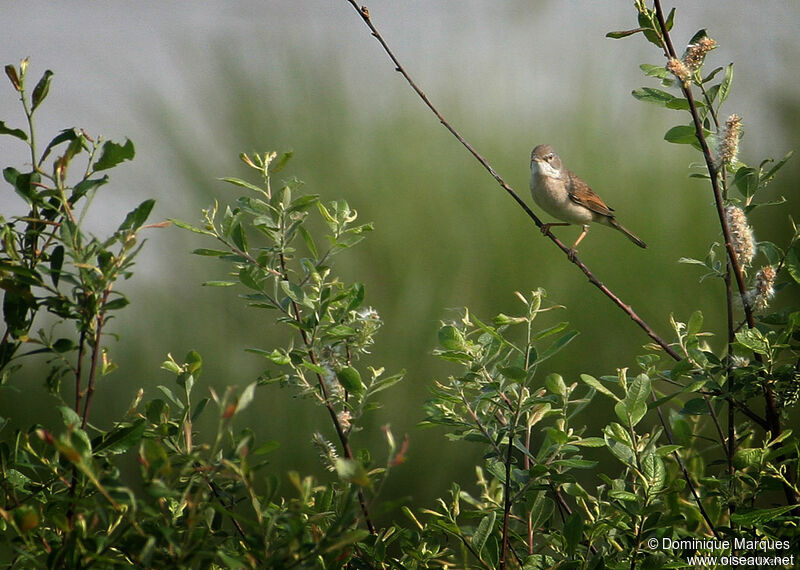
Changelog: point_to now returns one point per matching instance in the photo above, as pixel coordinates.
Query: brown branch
(340, 432)
(772, 416)
(364, 13)
(95, 357)
(682, 467)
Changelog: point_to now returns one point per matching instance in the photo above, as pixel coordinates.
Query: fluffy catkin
(741, 235)
(763, 288)
(729, 143)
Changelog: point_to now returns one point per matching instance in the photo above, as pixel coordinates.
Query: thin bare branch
(364, 13)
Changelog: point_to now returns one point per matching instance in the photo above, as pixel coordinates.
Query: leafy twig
(773, 418)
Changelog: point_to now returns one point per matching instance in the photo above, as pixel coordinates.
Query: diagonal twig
(627, 309)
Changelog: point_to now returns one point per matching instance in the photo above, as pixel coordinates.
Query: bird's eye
(549, 157)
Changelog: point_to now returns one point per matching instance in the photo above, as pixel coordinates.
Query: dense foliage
(703, 461)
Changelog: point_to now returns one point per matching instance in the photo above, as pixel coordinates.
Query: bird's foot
(572, 254)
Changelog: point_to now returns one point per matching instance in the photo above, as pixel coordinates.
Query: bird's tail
(615, 224)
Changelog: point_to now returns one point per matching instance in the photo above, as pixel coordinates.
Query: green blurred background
(194, 87)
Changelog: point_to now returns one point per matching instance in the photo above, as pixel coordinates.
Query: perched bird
(563, 195)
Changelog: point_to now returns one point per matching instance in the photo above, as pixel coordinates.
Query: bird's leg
(574, 250)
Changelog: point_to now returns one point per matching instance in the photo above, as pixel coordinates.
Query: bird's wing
(580, 193)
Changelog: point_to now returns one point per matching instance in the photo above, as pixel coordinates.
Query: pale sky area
(510, 62)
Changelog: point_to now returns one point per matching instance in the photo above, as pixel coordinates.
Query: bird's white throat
(545, 169)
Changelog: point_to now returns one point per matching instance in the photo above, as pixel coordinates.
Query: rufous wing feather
(581, 193)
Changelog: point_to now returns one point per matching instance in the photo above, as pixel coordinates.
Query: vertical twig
(96, 349)
(79, 371)
(772, 416)
(343, 439)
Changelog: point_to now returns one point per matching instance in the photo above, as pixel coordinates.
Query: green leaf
(555, 384)
(548, 331)
(665, 450)
(67, 135)
(634, 407)
(70, 418)
(356, 296)
(309, 241)
(698, 36)
(137, 217)
(655, 70)
(760, 516)
(651, 95)
(589, 442)
(483, 531)
(350, 379)
(246, 398)
(303, 203)
(514, 373)
(575, 463)
(294, 292)
(623, 496)
(85, 186)
(190, 227)
(16, 479)
(623, 33)
(15, 310)
(695, 407)
(340, 331)
(619, 443)
(121, 439)
(209, 252)
(219, 283)
(279, 357)
(24, 184)
(595, 383)
(681, 134)
(793, 262)
(116, 304)
(695, 324)
(725, 85)
(63, 345)
(248, 276)
(56, 262)
(505, 320)
(385, 382)
(276, 166)
(766, 178)
(41, 90)
(711, 76)
(655, 472)
(670, 19)
(239, 237)
(451, 338)
(754, 340)
(681, 104)
(112, 154)
(243, 184)
(573, 531)
(20, 134)
(746, 180)
(557, 345)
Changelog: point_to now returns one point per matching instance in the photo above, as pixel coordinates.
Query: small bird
(560, 193)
